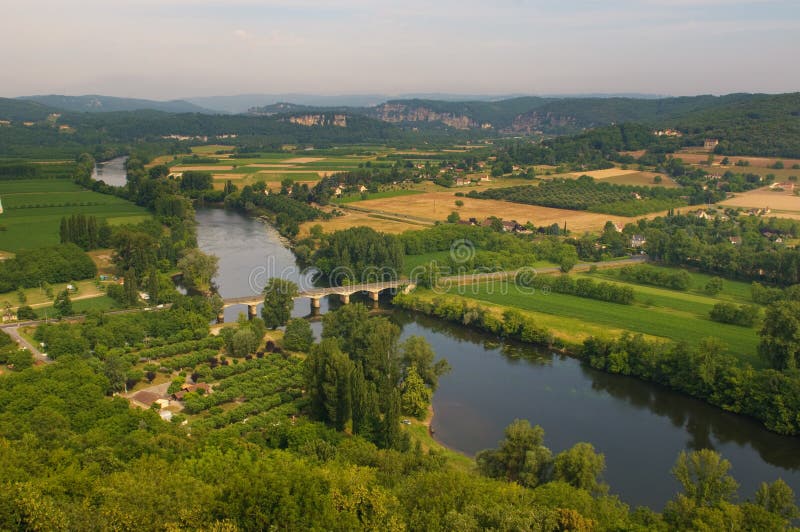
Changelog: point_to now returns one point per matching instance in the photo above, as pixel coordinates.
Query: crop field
(378, 195)
(33, 210)
(268, 167)
(656, 312)
(776, 200)
(604, 174)
(436, 206)
(246, 394)
(642, 179)
(760, 162)
(350, 218)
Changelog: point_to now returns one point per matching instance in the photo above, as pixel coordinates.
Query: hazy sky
(180, 48)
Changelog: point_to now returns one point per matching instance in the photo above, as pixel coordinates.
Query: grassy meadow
(656, 312)
(33, 209)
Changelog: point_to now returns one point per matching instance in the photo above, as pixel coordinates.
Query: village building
(638, 241)
(710, 144)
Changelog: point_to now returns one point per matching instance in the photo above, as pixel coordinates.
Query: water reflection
(639, 427)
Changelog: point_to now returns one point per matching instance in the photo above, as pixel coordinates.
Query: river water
(639, 427)
(111, 172)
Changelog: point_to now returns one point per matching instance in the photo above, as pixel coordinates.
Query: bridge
(374, 289)
(315, 294)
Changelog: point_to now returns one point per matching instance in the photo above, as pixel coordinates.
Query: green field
(677, 316)
(33, 209)
(733, 291)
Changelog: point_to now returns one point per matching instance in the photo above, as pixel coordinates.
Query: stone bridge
(315, 294)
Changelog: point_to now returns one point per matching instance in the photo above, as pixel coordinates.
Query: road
(13, 332)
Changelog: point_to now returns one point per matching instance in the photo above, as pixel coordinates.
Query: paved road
(13, 332)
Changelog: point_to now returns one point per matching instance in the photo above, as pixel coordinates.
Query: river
(111, 172)
(639, 427)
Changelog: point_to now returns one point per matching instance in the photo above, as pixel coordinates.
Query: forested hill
(93, 103)
(531, 114)
(30, 129)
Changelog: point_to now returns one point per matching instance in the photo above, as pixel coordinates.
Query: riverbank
(421, 431)
(771, 397)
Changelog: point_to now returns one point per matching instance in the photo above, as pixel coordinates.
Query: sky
(164, 49)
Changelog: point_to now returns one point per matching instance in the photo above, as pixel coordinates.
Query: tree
(704, 477)
(453, 217)
(391, 435)
(780, 335)
(116, 371)
(568, 259)
(198, 270)
(328, 376)
(777, 498)
(713, 286)
(416, 352)
(459, 203)
(298, 335)
(279, 297)
(581, 467)
(244, 342)
(26, 312)
(521, 457)
(416, 396)
(21, 297)
(131, 288)
(63, 304)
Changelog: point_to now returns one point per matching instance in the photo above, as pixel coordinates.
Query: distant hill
(93, 103)
(243, 102)
(23, 110)
(553, 115)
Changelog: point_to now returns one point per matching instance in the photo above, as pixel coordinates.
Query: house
(338, 191)
(735, 240)
(460, 181)
(485, 178)
(162, 403)
(703, 215)
(362, 188)
(710, 144)
(638, 241)
(145, 399)
(618, 228)
(758, 212)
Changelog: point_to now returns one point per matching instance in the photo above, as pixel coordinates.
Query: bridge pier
(375, 296)
(314, 306)
(345, 299)
(252, 311)
(221, 317)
